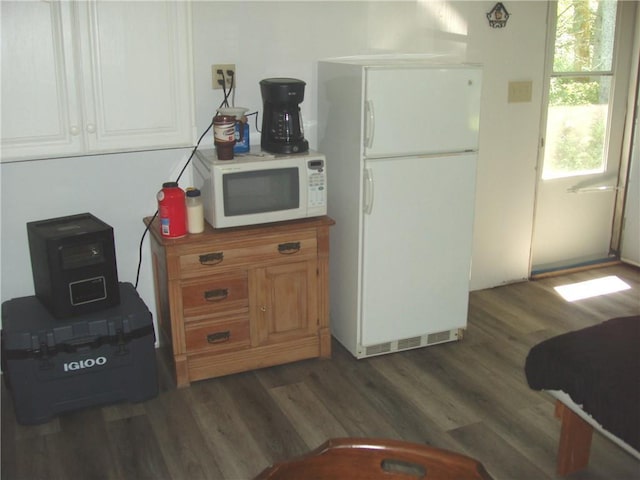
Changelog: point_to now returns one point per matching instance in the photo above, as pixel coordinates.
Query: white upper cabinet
(81, 78)
(40, 98)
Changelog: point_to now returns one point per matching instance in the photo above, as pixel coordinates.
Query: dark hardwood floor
(470, 396)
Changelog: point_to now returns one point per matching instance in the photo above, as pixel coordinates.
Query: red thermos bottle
(172, 211)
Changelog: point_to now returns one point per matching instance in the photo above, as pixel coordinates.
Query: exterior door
(587, 85)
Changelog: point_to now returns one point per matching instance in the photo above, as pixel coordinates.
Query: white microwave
(260, 187)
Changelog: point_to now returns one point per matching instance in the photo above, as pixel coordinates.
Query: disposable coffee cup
(224, 151)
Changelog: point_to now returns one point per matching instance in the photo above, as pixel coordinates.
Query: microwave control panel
(317, 183)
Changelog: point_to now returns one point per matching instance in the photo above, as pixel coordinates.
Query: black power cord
(224, 90)
(225, 101)
(231, 73)
(223, 82)
(156, 213)
(256, 114)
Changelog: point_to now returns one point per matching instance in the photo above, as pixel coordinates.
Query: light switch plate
(519, 92)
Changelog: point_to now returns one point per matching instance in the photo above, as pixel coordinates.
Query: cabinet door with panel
(136, 74)
(93, 77)
(285, 302)
(40, 97)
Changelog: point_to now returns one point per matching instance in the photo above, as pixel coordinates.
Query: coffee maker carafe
(282, 130)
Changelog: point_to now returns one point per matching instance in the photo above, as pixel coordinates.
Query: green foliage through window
(572, 91)
(577, 152)
(580, 87)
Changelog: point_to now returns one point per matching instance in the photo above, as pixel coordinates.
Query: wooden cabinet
(93, 77)
(237, 299)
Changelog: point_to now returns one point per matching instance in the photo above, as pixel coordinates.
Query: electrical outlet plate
(215, 76)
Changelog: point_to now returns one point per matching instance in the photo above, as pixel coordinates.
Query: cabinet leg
(182, 372)
(325, 343)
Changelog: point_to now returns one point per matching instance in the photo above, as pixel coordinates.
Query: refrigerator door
(417, 246)
(421, 110)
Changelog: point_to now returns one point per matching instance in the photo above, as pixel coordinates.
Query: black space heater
(73, 261)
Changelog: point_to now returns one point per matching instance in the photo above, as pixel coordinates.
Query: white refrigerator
(401, 144)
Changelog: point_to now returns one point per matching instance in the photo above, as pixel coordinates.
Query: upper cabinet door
(94, 77)
(40, 113)
(136, 74)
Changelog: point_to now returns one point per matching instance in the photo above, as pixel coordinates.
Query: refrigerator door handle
(368, 191)
(369, 124)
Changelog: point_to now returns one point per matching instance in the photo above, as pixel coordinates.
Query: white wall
(118, 189)
(267, 39)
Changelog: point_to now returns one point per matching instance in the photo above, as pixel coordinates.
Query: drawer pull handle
(216, 295)
(219, 337)
(211, 258)
(289, 248)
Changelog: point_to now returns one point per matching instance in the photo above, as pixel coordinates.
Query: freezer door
(417, 246)
(418, 110)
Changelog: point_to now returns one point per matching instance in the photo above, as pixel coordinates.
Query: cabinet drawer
(210, 336)
(215, 294)
(249, 252)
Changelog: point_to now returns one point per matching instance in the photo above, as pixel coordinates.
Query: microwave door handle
(369, 124)
(368, 191)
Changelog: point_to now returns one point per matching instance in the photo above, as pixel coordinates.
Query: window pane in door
(576, 126)
(584, 35)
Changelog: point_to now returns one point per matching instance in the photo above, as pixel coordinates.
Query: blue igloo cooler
(52, 366)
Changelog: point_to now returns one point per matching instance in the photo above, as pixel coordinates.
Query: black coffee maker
(282, 130)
